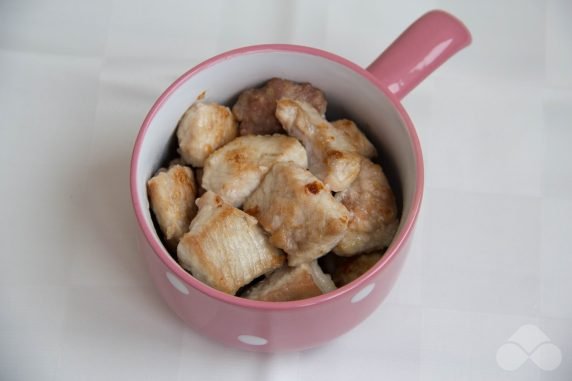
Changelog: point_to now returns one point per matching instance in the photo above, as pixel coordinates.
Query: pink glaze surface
(287, 326)
(419, 50)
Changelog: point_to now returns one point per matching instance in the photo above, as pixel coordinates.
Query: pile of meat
(260, 193)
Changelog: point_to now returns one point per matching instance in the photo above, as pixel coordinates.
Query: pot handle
(419, 50)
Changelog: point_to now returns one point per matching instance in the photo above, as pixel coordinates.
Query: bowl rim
(399, 241)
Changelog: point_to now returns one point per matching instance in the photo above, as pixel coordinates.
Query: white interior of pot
(349, 95)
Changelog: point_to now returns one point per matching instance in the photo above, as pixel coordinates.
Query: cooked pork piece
(301, 215)
(292, 283)
(351, 133)
(235, 170)
(334, 153)
(225, 248)
(354, 267)
(203, 128)
(374, 219)
(255, 108)
(172, 195)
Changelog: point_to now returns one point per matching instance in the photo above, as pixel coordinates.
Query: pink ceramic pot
(370, 96)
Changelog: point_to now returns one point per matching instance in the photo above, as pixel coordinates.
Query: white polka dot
(252, 340)
(364, 292)
(176, 282)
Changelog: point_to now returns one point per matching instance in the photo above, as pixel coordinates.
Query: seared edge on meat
(334, 154)
(374, 219)
(203, 128)
(235, 170)
(172, 195)
(255, 108)
(300, 214)
(292, 283)
(225, 247)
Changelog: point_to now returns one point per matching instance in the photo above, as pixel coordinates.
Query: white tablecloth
(493, 251)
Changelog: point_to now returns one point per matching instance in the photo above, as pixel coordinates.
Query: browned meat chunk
(300, 214)
(255, 108)
(235, 170)
(203, 128)
(334, 150)
(292, 283)
(374, 218)
(225, 247)
(172, 195)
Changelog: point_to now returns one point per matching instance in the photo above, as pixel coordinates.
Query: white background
(493, 250)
